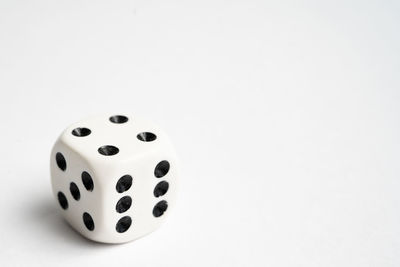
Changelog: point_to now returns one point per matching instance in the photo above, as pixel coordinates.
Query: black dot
(160, 208)
(108, 150)
(88, 221)
(161, 169)
(123, 224)
(87, 181)
(124, 183)
(61, 163)
(146, 137)
(81, 132)
(123, 204)
(161, 188)
(118, 119)
(73, 188)
(62, 200)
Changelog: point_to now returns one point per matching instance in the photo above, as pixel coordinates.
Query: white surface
(285, 115)
(135, 158)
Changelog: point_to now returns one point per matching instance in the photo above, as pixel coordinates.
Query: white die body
(135, 157)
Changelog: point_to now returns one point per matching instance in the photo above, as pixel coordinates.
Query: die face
(133, 172)
(133, 194)
(76, 190)
(109, 143)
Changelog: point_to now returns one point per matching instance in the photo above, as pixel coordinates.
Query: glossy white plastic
(138, 156)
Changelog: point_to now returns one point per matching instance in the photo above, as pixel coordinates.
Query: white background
(285, 115)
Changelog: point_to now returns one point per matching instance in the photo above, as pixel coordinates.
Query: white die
(114, 177)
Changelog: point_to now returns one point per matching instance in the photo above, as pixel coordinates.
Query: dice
(114, 177)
